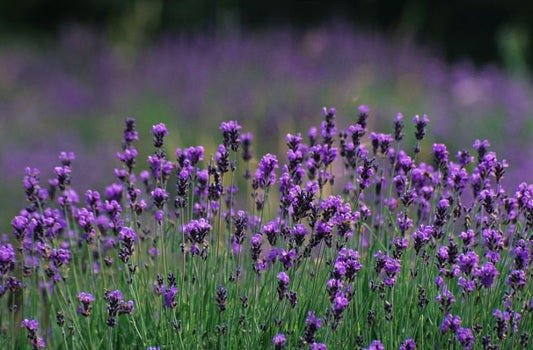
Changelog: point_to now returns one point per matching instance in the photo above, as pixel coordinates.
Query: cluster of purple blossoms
(86, 300)
(279, 341)
(389, 266)
(197, 231)
(127, 238)
(159, 131)
(7, 258)
(35, 341)
(116, 306)
(388, 201)
(375, 345)
(312, 325)
(230, 131)
(265, 174)
(408, 344)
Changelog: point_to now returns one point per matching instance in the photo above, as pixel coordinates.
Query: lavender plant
(346, 242)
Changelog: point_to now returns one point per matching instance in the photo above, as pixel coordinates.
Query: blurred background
(72, 71)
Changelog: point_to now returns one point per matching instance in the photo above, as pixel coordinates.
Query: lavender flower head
(441, 154)
(279, 341)
(265, 174)
(197, 230)
(230, 131)
(31, 327)
(86, 300)
(364, 112)
(159, 131)
(408, 344)
(398, 127)
(376, 345)
(283, 282)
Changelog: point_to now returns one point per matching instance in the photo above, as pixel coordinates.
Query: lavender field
(196, 195)
(74, 95)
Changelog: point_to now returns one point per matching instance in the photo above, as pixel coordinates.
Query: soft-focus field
(74, 95)
(351, 242)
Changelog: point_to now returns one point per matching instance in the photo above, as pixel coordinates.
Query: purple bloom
(29, 324)
(327, 127)
(516, 279)
(159, 196)
(421, 237)
(398, 127)
(312, 324)
(170, 297)
(230, 131)
(389, 265)
(465, 337)
(279, 341)
(340, 302)
(86, 300)
(127, 234)
(197, 230)
(298, 232)
(7, 258)
(486, 274)
(381, 141)
(408, 344)
(441, 154)
(159, 131)
(265, 174)
(194, 154)
(130, 134)
(115, 295)
(60, 256)
(375, 345)
(468, 237)
(271, 230)
(35, 341)
(481, 148)
(464, 158)
(116, 306)
(363, 115)
(283, 277)
(450, 323)
(286, 258)
(282, 284)
(421, 123)
(246, 142)
(467, 285)
(492, 239)
(468, 261)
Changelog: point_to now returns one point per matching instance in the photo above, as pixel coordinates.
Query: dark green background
(483, 31)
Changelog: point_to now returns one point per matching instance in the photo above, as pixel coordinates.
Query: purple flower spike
(170, 297)
(465, 337)
(230, 131)
(86, 299)
(29, 324)
(441, 154)
(159, 131)
(408, 344)
(282, 284)
(420, 123)
(376, 345)
(265, 174)
(279, 341)
(7, 258)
